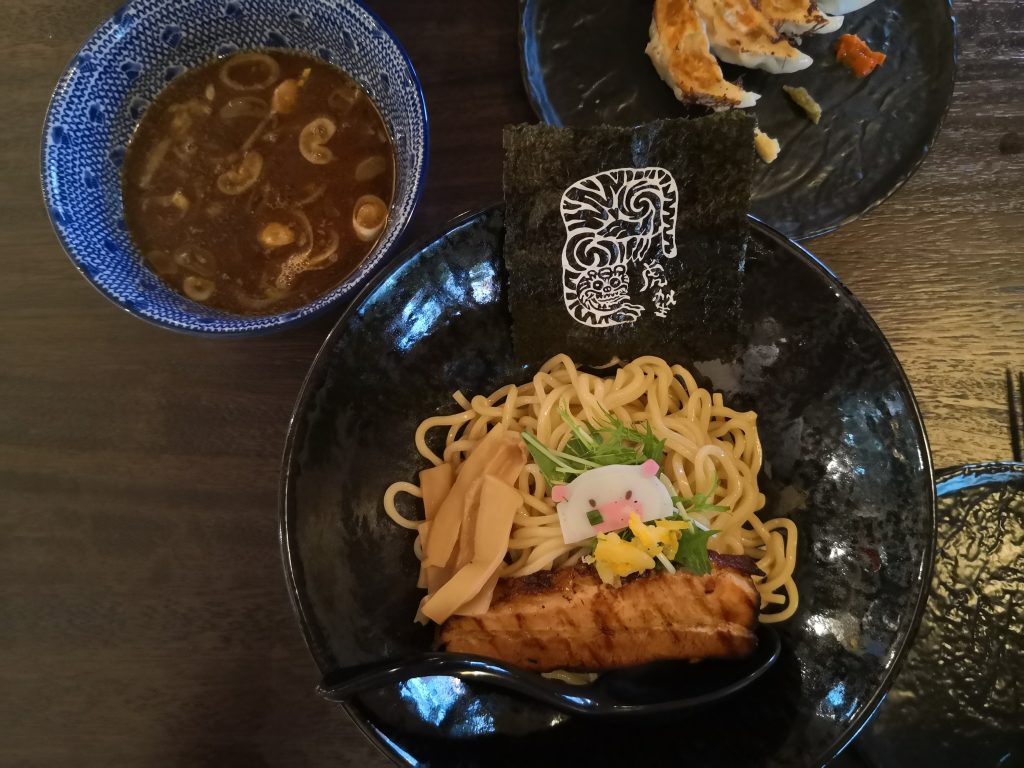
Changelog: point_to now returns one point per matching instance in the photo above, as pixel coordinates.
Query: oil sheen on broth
(258, 182)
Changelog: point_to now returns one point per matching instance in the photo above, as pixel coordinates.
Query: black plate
(584, 64)
(847, 458)
(959, 699)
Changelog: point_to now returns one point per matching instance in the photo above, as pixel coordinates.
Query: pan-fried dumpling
(740, 34)
(680, 51)
(798, 17)
(842, 6)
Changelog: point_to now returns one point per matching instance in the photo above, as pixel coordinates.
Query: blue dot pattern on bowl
(125, 64)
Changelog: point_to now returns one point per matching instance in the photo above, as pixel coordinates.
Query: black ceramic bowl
(846, 458)
(959, 699)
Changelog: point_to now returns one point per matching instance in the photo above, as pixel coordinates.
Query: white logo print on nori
(615, 219)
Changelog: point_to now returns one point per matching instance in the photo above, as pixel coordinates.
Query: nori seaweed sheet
(711, 160)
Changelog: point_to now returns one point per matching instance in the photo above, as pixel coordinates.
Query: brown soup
(258, 182)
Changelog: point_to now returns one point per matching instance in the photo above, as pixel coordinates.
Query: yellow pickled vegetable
(641, 533)
(674, 525)
(621, 557)
(615, 557)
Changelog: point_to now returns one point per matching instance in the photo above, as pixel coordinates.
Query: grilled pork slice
(569, 619)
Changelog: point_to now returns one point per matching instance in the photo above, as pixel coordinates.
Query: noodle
(705, 442)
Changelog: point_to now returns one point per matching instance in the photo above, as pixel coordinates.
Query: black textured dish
(846, 457)
(959, 699)
(584, 64)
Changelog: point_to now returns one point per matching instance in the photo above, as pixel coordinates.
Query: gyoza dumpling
(842, 6)
(740, 34)
(680, 50)
(798, 17)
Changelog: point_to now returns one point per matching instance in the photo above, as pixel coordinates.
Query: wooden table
(143, 615)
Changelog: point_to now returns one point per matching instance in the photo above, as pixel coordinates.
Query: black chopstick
(1013, 398)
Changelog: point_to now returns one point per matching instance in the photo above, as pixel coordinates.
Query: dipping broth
(258, 182)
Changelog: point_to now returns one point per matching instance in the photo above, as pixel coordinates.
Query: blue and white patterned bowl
(124, 65)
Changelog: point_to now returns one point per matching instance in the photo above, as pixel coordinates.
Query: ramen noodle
(711, 452)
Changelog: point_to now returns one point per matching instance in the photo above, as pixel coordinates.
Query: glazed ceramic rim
(292, 564)
(537, 96)
(981, 473)
(349, 285)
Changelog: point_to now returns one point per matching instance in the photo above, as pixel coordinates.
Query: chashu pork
(569, 619)
(681, 52)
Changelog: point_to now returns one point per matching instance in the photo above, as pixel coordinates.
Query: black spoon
(662, 686)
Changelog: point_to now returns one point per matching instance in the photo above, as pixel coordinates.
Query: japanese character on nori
(614, 237)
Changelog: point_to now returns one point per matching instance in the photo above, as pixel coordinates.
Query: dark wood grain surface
(143, 615)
